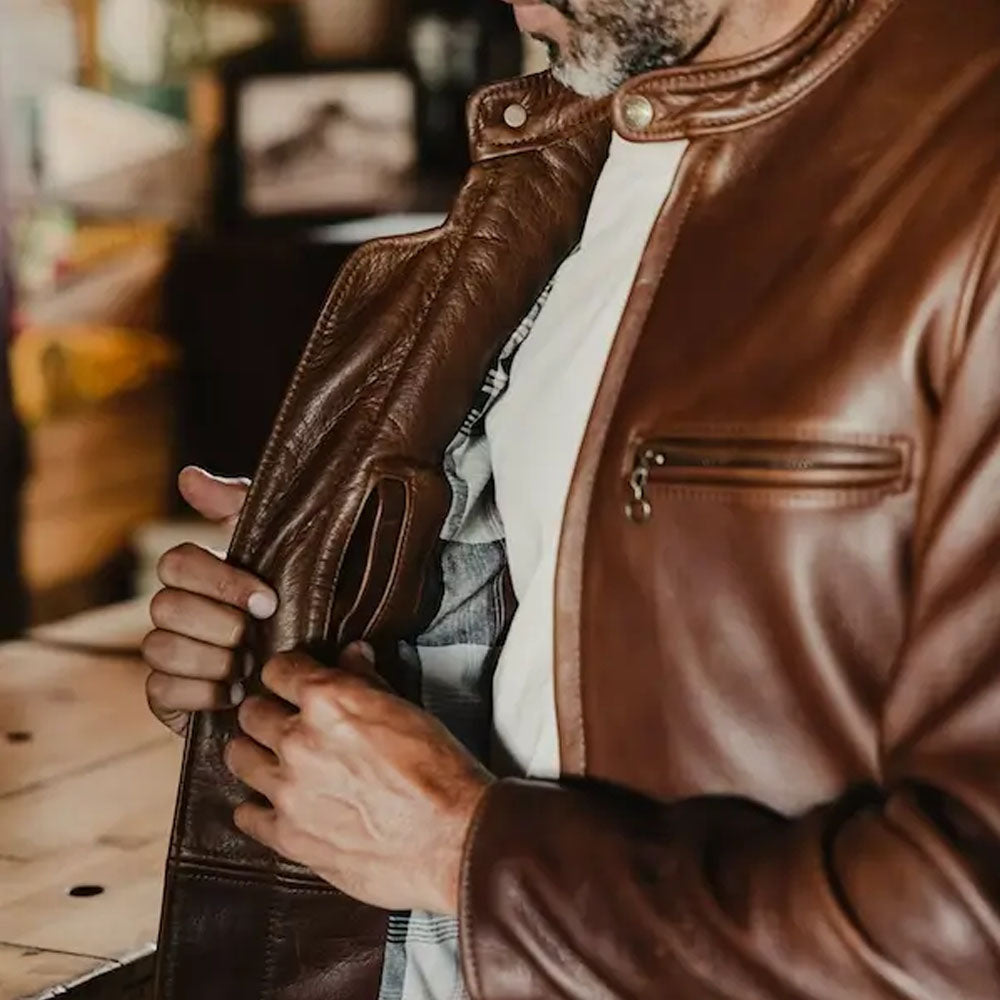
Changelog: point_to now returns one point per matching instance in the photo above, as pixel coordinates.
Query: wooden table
(87, 786)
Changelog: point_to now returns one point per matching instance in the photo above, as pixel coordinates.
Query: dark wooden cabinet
(241, 308)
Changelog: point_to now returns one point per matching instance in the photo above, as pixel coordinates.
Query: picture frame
(309, 143)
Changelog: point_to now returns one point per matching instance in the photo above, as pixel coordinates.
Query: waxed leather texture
(779, 686)
(343, 519)
(778, 695)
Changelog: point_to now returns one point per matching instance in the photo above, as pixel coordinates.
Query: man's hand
(200, 615)
(371, 793)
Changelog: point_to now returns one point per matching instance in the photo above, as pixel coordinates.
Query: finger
(170, 653)
(290, 675)
(257, 822)
(169, 695)
(359, 659)
(211, 496)
(197, 618)
(194, 569)
(177, 722)
(254, 766)
(265, 721)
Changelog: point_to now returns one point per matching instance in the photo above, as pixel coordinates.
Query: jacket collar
(682, 101)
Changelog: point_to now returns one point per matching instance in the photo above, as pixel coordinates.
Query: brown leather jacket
(798, 653)
(778, 634)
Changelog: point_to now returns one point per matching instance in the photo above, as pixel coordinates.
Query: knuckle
(228, 584)
(349, 693)
(237, 630)
(295, 749)
(290, 746)
(319, 698)
(163, 607)
(156, 685)
(173, 564)
(161, 651)
(284, 802)
(150, 648)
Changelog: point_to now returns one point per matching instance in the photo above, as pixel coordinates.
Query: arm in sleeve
(579, 893)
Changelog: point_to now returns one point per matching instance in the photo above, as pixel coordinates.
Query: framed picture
(323, 143)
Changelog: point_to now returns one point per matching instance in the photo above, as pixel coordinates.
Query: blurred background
(181, 180)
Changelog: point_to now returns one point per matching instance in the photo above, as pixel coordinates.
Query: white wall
(37, 49)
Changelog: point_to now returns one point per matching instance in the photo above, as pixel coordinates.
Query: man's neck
(747, 26)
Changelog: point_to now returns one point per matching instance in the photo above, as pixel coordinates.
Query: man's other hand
(200, 614)
(370, 792)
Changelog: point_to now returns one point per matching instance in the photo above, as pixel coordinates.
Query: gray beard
(615, 40)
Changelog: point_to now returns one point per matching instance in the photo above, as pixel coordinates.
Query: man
(740, 466)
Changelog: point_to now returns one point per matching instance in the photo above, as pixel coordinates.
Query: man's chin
(585, 82)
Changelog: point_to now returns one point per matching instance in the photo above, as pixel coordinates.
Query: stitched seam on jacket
(308, 454)
(804, 433)
(325, 327)
(710, 154)
(467, 942)
(972, 284)
(417, 328)
(270, 963)
(342, 286)
(573, 129)
(796, 92)
(398, 554)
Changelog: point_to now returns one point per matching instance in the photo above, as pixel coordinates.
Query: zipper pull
(639, 510)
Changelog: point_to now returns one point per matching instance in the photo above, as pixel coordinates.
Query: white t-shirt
(536, 428)
(534, 433)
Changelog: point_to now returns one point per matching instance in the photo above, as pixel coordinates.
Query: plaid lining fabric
(454, 660)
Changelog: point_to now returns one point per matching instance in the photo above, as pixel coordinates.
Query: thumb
(213, 497)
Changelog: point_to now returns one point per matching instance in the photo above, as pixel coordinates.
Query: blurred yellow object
(94, 242)
(59, 370)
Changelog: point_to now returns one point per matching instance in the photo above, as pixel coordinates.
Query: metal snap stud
(637, 112)
(515, 115)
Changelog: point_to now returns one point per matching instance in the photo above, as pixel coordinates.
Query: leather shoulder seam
(987, 245)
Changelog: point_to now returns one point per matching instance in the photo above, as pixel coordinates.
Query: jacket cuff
(526, 893)
(493, 866)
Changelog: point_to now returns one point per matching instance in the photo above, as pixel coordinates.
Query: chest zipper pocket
(763, 465)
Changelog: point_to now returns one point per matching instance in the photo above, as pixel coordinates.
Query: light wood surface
(25, 972)
(118, 628)
(78, 709)
(87, 786)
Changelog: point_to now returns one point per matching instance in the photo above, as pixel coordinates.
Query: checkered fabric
(454, 660)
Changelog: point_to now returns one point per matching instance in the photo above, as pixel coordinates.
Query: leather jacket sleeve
(576, 891)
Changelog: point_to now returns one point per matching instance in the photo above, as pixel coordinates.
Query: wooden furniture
(87, 786)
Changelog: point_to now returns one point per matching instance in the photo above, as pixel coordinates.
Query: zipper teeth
(659, 460)
(694, 456)
(862, 466)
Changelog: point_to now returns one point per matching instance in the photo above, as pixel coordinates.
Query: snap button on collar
(515, 115)
(637, 112)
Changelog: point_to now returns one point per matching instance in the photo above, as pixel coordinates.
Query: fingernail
(366, 651)
(237, 693)
(262, 605)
